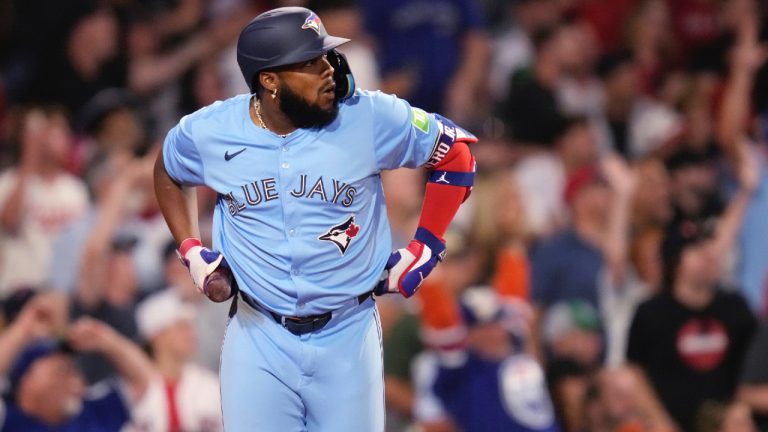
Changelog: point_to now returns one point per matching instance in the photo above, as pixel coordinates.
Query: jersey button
(296, 272)
(285, 149)
(284, 165)
(292, 232)
(301, 305)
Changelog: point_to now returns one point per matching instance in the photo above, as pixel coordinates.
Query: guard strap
(452, 178)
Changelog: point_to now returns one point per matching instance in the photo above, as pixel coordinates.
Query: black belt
(300, 325)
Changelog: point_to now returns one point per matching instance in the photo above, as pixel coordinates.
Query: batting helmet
(289, 35)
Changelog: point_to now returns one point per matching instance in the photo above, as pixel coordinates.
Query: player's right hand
(209, 270)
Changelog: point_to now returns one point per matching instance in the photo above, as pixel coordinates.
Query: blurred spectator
(122, 207)
(89, 62)
(479, 348)
(571, 332)
(344, 18)
(691, 338)
(630, 123)
(513, 49)
(651, 212)
(113, 302)
(116, 130)
(566, 265)
(182, 395)
(724, 417)
(530, 110)
(210, 318)
(579, 91)
(620, 399)
(508, 233)
(568, 384)
(733, 133)
(48, 392)
(541, 176)
(37, 198)
(449, 79)
(607, 17)
(753, 383)
(649, 38)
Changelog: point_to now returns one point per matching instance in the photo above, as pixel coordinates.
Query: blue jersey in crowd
(103, 411)
(481, 395)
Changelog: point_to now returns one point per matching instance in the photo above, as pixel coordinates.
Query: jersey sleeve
(180, 155)
(404, 136)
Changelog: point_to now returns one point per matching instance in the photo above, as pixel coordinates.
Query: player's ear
(268, 81)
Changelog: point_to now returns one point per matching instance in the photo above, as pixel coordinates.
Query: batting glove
(407, 268)
(201, 262)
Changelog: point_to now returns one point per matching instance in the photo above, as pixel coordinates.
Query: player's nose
(327, 66)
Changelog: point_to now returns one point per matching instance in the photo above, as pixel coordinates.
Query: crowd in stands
(609, 272)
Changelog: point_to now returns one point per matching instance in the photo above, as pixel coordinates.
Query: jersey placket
(286, 174)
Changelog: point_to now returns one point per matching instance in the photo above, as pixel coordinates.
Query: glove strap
(432, 241)
(188, 244)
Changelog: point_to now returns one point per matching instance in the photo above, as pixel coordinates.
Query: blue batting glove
(407, 268)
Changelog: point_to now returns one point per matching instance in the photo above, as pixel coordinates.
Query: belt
(300, 325)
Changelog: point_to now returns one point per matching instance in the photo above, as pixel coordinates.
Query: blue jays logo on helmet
(312, 22)
(342, 234)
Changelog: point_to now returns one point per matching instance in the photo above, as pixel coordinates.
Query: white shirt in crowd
(198, 404)
(48, 206)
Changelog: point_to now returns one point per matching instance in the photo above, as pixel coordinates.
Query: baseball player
(302, 225)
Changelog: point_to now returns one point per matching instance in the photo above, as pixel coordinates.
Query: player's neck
(266, 114)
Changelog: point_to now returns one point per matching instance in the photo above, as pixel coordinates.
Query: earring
(274, 94)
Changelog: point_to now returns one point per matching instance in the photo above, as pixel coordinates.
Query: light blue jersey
(302, 219)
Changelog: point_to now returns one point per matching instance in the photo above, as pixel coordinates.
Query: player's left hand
(407, 268)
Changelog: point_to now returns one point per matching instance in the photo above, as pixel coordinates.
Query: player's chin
(327, 100)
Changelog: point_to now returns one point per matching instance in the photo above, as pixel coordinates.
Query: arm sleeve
(181, 157)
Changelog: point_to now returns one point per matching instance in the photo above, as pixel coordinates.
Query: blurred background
(608, 273)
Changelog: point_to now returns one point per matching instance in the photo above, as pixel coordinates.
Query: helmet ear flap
(342, 75)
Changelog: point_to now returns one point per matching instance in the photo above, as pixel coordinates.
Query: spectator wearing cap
(181, 396)
(48, 392)
(691, 338)
(480, 375)
(570, 330)
(566, 265)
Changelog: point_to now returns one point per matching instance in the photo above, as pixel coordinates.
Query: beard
(303, 114)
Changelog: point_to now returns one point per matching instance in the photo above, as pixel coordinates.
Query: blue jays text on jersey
(301, 219)
(264, 190)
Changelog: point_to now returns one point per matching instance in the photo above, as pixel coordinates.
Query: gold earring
(274, 94)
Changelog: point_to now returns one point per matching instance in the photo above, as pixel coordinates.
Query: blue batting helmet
(284, 36)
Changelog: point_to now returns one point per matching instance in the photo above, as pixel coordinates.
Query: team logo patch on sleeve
(420, 119)
(312, 22)
(342, 234)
